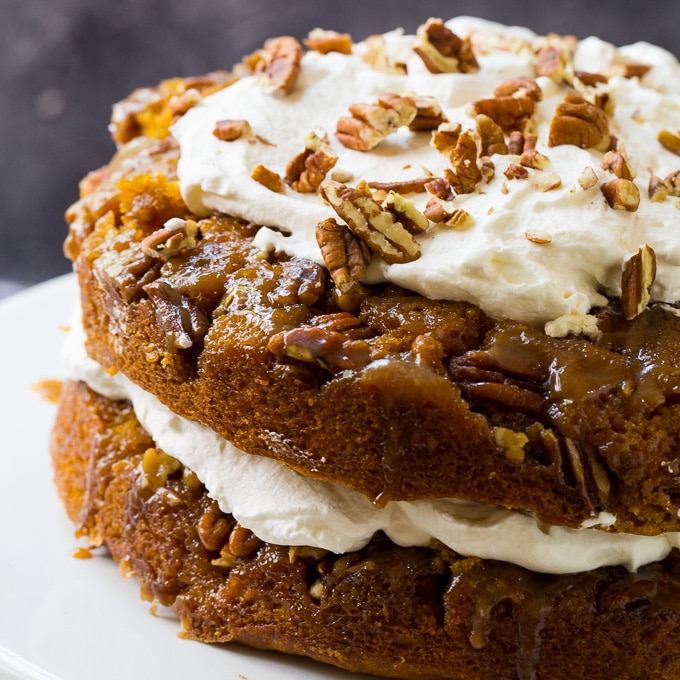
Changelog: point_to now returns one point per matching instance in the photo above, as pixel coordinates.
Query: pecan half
(376, 226)
(510, 112)
(578, 122)
(346, 257)
(308, 169)
(183, 322)
(637, 278)
(519, 87)
(442, 51)
(324, 41)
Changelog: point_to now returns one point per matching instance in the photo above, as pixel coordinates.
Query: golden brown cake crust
(407, 398)
(398, 612)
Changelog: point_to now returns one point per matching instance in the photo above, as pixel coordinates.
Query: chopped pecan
(213, 528)
(541, 238)
(672, 181)
(406, 186)
(445, 137)
(155, 469)
(369, 124)
(554, 57)
(578, 122)
(279, 61)
(442, 51)
(242, 542)
(514, 171)
(637, 278)
(670, 141)
(324, 41)
(373, 224)
(429, 352)
(587, 178)
(442, 212)
(182, 320)
(229, 130)
(621, 194)
(511, 442)
(492, 139)
(346, 258)
(546, 181)
(268, 178)
(429, 115)
(616, 162)
(176, 236)
(534, 159)
(631, 69)
(405, 211)
(330, 349)
(465, 174)
(518, 142)
(181, 103)
(308, 169)
(591, 79)
(439, 188)
(376, 55)
(657, 189)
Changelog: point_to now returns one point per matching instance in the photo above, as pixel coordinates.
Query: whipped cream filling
(283, 507)
(494, 263)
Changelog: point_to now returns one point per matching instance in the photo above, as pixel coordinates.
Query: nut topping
(324, 42)
(368, 220)
(621, 194)
(230, 130)
(514, 171)
(268, 178)
(442, 51)
(491, 136)
(442, 212)
(429, 115)
(307, 170)
(616, 162)
(346, 257)
(176, 236)
(519, 87)
(670, 141)
(445, 137)
(371, 123)
(657, 189)
(406, 212)
(580, 123)
(554, 54)
(465, 174)
(280, 62)
(637, 278)
(511, 113)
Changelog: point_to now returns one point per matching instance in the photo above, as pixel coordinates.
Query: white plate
(68, 618)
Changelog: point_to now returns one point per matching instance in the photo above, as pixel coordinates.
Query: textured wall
(64, 62)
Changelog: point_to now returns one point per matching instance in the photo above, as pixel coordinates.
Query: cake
(375, 355)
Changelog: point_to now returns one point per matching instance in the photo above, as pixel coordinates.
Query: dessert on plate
(375, 358)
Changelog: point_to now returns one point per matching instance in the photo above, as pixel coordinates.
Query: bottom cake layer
(384, 610)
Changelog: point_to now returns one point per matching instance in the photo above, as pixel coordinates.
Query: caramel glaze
(410, 398)
(412, 613)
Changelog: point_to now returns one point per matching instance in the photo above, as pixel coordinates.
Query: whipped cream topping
(493, 263)
(282, 507)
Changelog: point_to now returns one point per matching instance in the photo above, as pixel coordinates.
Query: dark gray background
(64, 62)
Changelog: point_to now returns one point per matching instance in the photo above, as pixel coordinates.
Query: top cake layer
(544, 164)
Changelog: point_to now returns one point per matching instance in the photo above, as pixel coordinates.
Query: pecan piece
(176, 236)
(346, 258)
(514, 171)
(377, 57)
(376, 226)
(578, 122)
(301, 282)
(405, 211)
(442, 212)
(492, 139)
(183, 322)
(670, 141)
(616, 162)
(465, 174)
(268, 178)
(329, 349)
(442, 51)
(126, 273)
(369, 124)
(279, 61)
(308, 169)
(637, 278)
(657, 189)
(229, 130)
(445, 137)
(406, 186)
(519, 87)
(554, 57)
(621, 194)
(213, 528)
(429, 115)
(323, 41)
